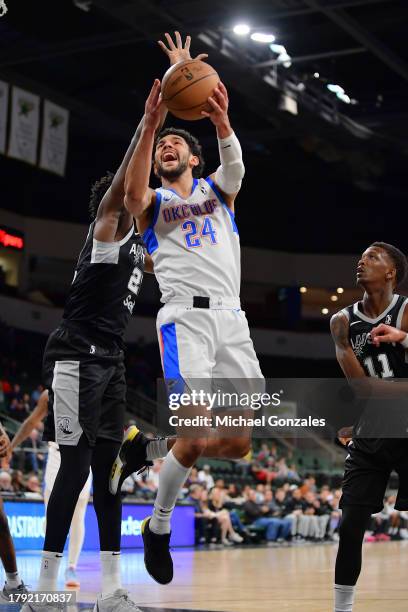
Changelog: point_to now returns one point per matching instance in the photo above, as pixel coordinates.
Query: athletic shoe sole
(119, 465)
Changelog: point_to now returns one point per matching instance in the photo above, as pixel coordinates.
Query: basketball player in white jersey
(77, 531)
(189, 229)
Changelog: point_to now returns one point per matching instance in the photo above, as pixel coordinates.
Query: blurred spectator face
(297, 494)
(268, 496)
(252, 495)
(33, 484)
(206, 469)
(220, 483)
(193, 474)
(5, 481)
(17, 388)
(265, 448)
(260, 488)
(196, 491)
(310, 497)
(26, 398)
(280, 495)
(391, 500)
(204, 494)
(34, 435)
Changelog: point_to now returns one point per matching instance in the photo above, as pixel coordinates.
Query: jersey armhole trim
(156, 211)
(401, 313)
(221, 199)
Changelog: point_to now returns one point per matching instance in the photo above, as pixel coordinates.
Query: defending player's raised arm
(31, 422)
(339, 327)
(228, 176)
(138, 195)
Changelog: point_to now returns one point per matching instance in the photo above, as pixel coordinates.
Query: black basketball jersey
(106, 282)
(388, 360)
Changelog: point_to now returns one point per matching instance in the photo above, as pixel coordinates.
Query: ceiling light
(335, 88)
(285, 59)
(325, 311)
(262, 38)
(340, 290)
(279, 49)
(316, 75)
(334, 298)
(241, 29)
(303, 289)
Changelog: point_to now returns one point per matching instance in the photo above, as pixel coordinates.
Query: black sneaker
(131, 458)
(157, 558)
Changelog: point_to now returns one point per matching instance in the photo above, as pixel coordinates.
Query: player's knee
(189, 449)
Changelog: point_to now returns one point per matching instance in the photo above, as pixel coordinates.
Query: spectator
(205, 520)
(258, 516)
(17, 410)
(216, 504)
(35, 395)
(34, 460)
(5, 482)
(205, 477)
(33, 484)
(17, 481)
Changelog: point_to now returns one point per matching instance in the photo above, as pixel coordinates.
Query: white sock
(111, 578)
(50, 563)
(172, 477)
(13, 580)
(156, 449)
(343, 597)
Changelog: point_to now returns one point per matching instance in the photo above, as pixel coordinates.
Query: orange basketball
(186, 87)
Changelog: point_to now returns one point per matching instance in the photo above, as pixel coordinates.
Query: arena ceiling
(333, 164)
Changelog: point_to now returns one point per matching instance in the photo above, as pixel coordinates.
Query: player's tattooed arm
(339, 327)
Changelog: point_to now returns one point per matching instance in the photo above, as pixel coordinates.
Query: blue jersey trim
(223, 202)
(150, 240)
(170, 358)
(156, 208)
(194, 185)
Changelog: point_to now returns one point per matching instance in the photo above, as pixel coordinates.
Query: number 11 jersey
(194, 243)
(388, 360)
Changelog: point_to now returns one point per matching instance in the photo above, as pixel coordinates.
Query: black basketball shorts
(87, 389)
(367, 474)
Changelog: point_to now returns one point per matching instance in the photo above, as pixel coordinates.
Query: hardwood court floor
(296, 579)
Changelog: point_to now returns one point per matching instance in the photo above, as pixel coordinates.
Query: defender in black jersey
(357, 332)
(84, 373)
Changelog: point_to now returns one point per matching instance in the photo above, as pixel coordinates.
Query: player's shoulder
(340, 320)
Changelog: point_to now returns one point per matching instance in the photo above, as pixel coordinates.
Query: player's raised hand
(385, 333)
(219, 102)
(178, 52)
(153, 107)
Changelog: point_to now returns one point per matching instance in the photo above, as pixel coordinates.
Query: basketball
(186, 86)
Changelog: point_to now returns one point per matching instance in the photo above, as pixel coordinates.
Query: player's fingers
(220, 99)
(179, 42)
(187, 43)
(205, 114)
(223, 89)
(201, 56)
(170, 41)
(163, 46)
(214, 104)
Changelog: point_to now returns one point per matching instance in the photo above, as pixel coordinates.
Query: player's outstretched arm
(229, 174)
(339, 327)
(31, 422)
(385, 333)
(138, 195)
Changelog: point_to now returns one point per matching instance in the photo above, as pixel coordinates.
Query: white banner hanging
(4, 96)
(25, 114)
(54, 138)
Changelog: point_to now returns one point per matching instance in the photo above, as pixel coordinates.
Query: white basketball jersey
(194, 243)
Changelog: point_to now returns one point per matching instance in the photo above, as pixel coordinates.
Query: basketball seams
(206, 76)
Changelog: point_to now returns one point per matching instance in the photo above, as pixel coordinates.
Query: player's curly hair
(98, 190)
(193, 145)
(398, 258)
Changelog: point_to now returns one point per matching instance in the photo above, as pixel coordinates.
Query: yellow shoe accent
(142, 528)
(131, 433)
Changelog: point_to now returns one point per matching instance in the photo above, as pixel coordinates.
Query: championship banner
(54, 138)
(4, 95)
(25, 117)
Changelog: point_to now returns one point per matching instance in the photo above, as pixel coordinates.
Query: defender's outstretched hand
(179, 52)
(219, 103)
(153, 107)
(386, 333)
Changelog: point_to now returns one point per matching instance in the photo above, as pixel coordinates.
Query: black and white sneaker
(157, 558)
(131, 458)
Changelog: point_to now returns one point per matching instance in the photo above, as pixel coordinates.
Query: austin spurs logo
(388, 319)
(359, 343)
(64, 425)
(138, 253)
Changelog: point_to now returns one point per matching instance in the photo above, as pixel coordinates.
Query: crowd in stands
(263, 498)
